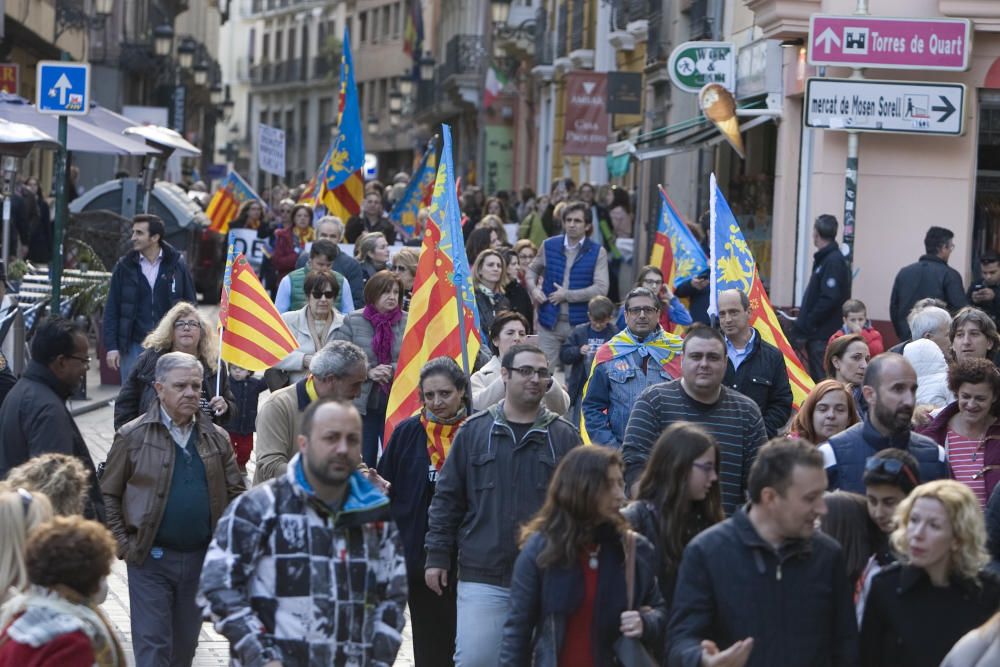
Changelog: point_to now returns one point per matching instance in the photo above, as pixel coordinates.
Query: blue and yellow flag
(342, 184)
(418, 192)
(675, 251)
(733, 267)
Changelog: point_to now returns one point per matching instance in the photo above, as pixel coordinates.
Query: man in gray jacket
(493, 481)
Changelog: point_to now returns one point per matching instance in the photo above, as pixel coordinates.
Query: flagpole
(218, 372)
(461, 327)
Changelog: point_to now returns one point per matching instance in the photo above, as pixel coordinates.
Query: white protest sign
(246, 242)
(271, 150)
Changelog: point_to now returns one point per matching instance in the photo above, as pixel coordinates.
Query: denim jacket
(614, 387)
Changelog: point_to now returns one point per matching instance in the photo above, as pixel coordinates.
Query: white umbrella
(18, 138)
(106, 119)
(164, 138)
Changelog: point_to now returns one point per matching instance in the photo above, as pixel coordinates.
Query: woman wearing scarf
(411, 463)
(57, 621)
(378, 330)
(289, 242)
(569, 602)
(489, 273)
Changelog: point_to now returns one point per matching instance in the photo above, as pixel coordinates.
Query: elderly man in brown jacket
(169, 476)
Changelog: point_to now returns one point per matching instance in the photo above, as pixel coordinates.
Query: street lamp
(215, 95)
(163, 40)
(372, 125)
(395, 101)
(406, 85)
(500, 10)
(200, 74)
(427, 67)
(185, 53)
(227, 105)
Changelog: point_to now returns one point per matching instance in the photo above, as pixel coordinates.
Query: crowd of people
(707, 521)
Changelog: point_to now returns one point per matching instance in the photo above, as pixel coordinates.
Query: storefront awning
(704, 135)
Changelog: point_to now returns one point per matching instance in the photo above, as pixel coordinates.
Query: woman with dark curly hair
(968, 427)
(57, 621)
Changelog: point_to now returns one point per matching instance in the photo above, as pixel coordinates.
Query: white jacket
(299, 325)
(932, 372)
(488, 389)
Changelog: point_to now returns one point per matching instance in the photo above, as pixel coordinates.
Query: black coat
(246, 393)
(763, 378)
(993, 530)
(570, 355)
(520, 302)
(829, 287)
(34, 421)
(138, 393)
(909, 622)
(7, 379)
(930, 276)
(794, 602)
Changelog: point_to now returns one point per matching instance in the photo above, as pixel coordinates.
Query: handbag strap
(630, 568)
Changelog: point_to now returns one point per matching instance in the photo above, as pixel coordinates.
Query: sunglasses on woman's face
(328, 294)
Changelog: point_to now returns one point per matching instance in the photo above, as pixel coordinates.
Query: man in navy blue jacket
(145, 283)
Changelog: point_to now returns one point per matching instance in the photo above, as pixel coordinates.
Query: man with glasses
(291, 293)
(34, 419)
(638, 357)
(145, 283)
(330, 228)
(929, 276)
(493, 481)
(699, 396)
(573, 269)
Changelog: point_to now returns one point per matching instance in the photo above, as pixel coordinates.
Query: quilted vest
(581, 275)
(297, 297)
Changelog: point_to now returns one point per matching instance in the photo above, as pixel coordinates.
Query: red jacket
(70, 650)
(286, 251)
(937, 430)
(871, 336)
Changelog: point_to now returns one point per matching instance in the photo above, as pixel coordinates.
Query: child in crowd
(247, 390)
(855, 314)
(578, 351)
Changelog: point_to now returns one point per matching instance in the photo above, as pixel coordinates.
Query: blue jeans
(482, 610)
(128, 359)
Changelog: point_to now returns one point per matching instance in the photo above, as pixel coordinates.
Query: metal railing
(463, 55)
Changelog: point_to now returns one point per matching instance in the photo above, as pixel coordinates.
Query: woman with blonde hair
(372, 250)
(489, 275)
(404, 265)
(920, 606)
(60, 477)
(182, 329)
(21, 512)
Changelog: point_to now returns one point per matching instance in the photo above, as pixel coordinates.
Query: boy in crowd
(246, 390)
(856, 321)
(578, 351)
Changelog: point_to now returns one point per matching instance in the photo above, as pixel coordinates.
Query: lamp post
(163, 40)
(427, 67)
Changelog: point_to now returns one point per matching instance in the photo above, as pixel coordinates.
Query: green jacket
(297, 279)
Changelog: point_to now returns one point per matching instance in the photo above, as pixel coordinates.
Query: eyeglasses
(890, 467)
(329, 294)
(527, 371)
(26, 499)
(399, 268)
(85, 360)
(642, 310)
(187, 324)
(652, 282)
(704, 467)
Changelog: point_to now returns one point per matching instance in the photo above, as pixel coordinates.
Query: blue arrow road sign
(63, 88)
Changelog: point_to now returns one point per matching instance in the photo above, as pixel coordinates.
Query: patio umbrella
(106, 119)
(18, 139)
(164, 139)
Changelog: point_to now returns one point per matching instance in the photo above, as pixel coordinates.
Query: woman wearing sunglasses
(182, 329)
(314, 324)
(968, 428)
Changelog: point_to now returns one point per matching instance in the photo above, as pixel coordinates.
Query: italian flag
(494, 84)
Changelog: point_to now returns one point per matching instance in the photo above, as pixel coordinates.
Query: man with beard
(890, 388)
(308, 568)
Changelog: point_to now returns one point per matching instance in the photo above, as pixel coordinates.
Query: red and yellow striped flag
(253, 334)
(226, 202)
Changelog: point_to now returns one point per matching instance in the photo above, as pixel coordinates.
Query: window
(363, 23)
(374, 27)
(291, 43)
(397, 24)
(386, 19)
(265, 48)
(278, 45)
(250, 46)
(303, 121)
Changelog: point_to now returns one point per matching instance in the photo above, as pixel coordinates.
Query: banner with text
(586, 121)
(271, 150)
(246, 242)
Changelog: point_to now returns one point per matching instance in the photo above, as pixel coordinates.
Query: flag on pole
(675, 251)
(413, 32)
(734, 268)
(418, 192)
(494, 84)
(342, 184)
(442, 287)
(227, 200)
(253, 334)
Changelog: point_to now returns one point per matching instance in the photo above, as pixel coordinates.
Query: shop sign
(692, 65)
(885, 106)
(625, 92)
(10, 77)
(586, 121)
(499, 158)
(890, 43)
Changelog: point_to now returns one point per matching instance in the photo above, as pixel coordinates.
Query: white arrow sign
(827, 37)
(62, 85)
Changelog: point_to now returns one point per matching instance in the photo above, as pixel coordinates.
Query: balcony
(463, 57)
(783, 19)
(323, 67)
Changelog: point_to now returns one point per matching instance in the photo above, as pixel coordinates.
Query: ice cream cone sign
(718, 105)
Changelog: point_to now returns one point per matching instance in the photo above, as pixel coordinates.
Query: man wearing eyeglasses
(34, 419)
(634, 359)
(493, 481)
(146, 282)
(573, 269)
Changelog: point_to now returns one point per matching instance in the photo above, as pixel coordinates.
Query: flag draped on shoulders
(253, 334)
(341, 182)
(226, 201)
(443, 320)
(675, 250)
(662, 347)
(418, 192)
(734, 267)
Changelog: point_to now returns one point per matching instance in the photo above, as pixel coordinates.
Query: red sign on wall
(10, 77)
(586, 122)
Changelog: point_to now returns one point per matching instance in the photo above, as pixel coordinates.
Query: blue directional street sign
(63, 88)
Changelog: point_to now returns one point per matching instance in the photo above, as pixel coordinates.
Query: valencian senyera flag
(227, 200)
(418, 191)
(735, 268)
(342, 184)
(675, 250)
(443, 320)
(253, 334)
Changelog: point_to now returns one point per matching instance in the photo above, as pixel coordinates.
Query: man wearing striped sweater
(700, 397)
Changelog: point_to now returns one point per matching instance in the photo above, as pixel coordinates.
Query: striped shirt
(965, 455)
(734, 420)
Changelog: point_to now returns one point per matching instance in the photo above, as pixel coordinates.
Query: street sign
(890, 43)
(692, 65)
(63, 88)
(868, 105)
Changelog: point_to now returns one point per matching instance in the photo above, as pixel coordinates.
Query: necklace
(592, 562)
